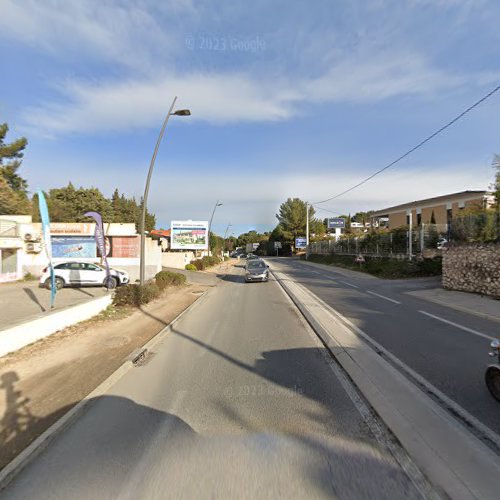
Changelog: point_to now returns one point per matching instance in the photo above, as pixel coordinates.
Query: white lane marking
(456, 325)
(314, 272)
(349, 284)
(383, 297)
(464, 414)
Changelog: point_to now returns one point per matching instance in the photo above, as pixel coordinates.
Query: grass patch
(383, 267)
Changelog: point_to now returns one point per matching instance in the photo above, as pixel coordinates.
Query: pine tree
(13, 188)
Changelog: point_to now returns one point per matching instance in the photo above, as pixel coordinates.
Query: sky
(288, 99)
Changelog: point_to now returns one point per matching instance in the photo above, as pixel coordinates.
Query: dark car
(256, 270)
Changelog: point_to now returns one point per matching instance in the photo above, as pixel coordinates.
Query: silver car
(71, 273)
(256, 270)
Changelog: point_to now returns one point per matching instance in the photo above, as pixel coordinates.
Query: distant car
(71, 273)
(256, 270)
(234, 254)
(251, 256)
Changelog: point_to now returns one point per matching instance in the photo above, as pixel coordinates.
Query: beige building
(444, 207)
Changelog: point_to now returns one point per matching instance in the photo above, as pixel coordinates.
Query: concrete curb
(454, 460)
(41, 442)
(19, 336)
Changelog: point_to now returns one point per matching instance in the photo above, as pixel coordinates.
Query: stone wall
(473, 268)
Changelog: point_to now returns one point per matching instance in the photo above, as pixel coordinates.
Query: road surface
(449, 348)
(239, 400)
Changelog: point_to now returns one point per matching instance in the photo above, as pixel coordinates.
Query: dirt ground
(44, 380)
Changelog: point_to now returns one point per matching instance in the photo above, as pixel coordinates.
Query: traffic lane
(451, 359)
(238, 400)
(26, 301)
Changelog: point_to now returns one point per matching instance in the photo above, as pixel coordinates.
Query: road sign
(277, 244)
(300, 242)
(336, 222)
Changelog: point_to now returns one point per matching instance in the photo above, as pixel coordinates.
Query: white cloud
(125, 33)
(91, 107)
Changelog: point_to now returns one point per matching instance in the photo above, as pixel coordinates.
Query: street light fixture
(217, 204)
(180, 112)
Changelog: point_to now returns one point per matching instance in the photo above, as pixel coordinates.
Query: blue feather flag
(44, 214)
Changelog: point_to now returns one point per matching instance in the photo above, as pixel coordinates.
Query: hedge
(383, 267)
(190, 267)
(136, 295)
(166, 278)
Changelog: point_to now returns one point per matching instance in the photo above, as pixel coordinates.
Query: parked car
(72, 273)
(256, 270)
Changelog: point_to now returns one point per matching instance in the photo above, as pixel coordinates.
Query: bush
(136, 295)
(190, 267)
(199, 264)
(210, 260)
(166, 278)
(383, 267)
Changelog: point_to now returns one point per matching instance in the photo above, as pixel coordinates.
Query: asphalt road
(239, 400)
(26, 301)
(449, 348)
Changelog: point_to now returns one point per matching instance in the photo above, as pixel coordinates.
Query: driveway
(25, 301)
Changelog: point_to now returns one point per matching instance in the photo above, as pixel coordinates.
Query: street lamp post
(142, 266)
(217, 204)
(225, 235)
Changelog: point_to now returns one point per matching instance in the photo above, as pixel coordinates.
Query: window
(91, 267)
(419, 219)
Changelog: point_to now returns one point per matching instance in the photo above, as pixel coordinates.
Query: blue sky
(288, 98)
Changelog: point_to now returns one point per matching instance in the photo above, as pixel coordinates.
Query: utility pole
(307, 229)
(410, 236)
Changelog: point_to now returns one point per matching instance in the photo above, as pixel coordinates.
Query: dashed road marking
(349, 284)
(383, 297)
(456, 325)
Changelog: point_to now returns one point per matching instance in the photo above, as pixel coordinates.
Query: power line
(419, 145)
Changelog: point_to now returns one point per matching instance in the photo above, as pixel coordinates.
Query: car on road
(256, 270)
(251, 256)
(72, 273)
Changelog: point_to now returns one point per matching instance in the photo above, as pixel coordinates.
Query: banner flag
(44, 215)
(99, 238)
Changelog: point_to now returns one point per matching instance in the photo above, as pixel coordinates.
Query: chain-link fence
(426, 240)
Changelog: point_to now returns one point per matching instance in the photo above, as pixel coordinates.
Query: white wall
(177, 260)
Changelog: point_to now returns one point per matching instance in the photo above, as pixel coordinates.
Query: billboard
(300, 242)
(71, 247)
(336, 222)
(189, 235)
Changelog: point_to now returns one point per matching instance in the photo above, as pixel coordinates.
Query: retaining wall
(473, 267)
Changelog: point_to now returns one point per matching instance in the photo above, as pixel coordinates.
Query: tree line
(65, 204)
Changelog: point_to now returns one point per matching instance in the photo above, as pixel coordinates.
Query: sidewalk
(471, 303)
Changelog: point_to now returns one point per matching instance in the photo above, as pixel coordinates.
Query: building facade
(439, 210)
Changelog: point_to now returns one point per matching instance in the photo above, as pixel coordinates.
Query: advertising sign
(100, 239)
(189, 235)
(47, 243)
(70, 247)
(126, 247)
(300, 242)
(72, 227)
(335, 222)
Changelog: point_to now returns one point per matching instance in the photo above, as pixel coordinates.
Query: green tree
(496, 183)
(292, 216)
(13, 188)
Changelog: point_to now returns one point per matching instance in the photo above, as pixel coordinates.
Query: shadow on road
(29, 292)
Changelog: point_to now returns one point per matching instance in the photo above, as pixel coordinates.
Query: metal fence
(426, 240)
